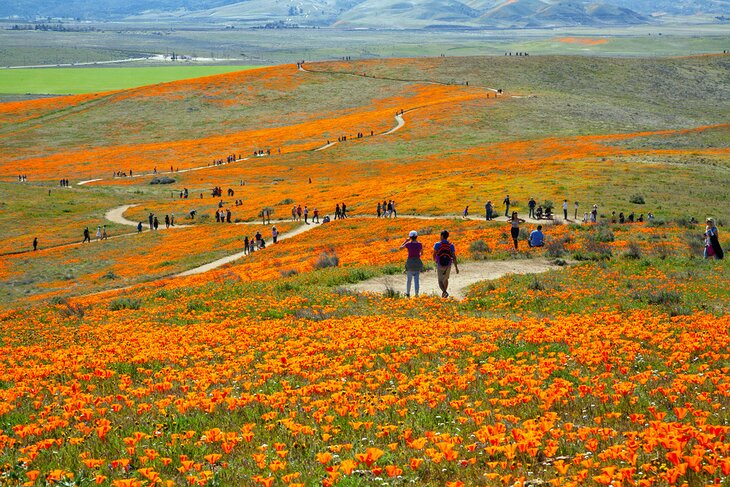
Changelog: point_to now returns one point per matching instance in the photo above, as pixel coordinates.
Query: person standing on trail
(258, 239)
(444, 255)
(575, 207)
(306, 215)
(103, 233)
(515, 227)
(414, 264)
(299, 212)
(338, 213)
(294, 213)
(151, 219)
(315, 216)
(274, 233)
(594, 213)
(167, 221)
(344, 210)
(466, 212)
(506, 206)
(565, 210)
(531, 205)
(139, 227)
(379, 209)
(155, 223)
(87, 236)
(393, 211)
(489, 210)
(35, 244)
(246, 251)
(228, 215)
(98, 232)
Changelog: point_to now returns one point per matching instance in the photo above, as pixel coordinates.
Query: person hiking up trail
(444, 255)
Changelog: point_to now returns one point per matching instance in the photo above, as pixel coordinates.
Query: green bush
(637, 199)
(125, 303)
(327, 259)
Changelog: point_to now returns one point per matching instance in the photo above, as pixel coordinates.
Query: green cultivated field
(68, 81)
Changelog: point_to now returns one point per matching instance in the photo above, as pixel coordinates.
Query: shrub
(686, 222)
(547, 204)
(391, 293)
(633, 251)
(327, 259)
(288, 272)
(637, 199)
(110, 275)
(556, 248)
(536, 285)
(479, 249)
(70, 310)
(162, 180)
(287, 201)
(197, 305)
(601, 233)
(425, 231)
(125, 303)
(660, 296)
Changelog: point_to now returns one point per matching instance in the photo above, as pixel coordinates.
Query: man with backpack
(444, 255)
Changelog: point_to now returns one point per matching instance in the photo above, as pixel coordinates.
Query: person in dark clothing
(87, 235)
(35, 243)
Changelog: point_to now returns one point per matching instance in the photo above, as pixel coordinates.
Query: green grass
(68, 81)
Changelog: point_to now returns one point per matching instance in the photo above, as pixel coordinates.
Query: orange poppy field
(143, 359)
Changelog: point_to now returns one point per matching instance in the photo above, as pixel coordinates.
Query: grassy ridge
(69, 81)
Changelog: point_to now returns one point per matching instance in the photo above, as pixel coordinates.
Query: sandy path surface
(471, 272)
(230, 258)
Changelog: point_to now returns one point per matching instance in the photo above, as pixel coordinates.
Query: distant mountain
(368, 13)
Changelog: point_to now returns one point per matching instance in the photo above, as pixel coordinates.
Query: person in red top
(414, 265)
(444, 255)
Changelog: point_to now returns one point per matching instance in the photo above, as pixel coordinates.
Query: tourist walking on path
(98, 232)
(139, 227)
(151, 218)
(414, 264)
(444, 255)
(575, 207)
(506, 203)
(35, 243)
(466, 212)
(246, 250)
(315, 215)
(594, 214)
(531, 205)
(489, 210)
(87, 236)
(515, 227)
(565, 210)
(274, 233)
(712, 242)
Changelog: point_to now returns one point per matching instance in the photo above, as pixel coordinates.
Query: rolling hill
(367, 13)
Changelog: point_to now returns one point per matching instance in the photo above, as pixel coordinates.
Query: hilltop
(377, 14)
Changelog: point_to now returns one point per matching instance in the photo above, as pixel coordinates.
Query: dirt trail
(230, 258)
(471, 273)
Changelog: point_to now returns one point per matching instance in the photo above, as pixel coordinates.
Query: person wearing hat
(414, 264)
(712, 242)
